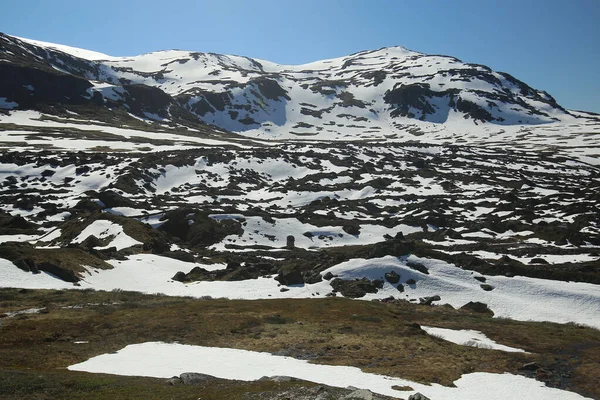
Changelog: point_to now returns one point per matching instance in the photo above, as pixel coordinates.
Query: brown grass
(376, 337)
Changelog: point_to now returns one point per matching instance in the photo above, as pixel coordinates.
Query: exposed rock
(179, 276)
(112, 199)
(290, 276)
(356, 288)
(328, 276)
(64, 274)
(427, 301)
(532, 366)
(418, 396)
(360, 394)
(417, 266)
(194, 378)
(279, 378)
(478, 307)
(392, 277)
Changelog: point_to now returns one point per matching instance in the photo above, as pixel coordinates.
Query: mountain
(387, 175)
(369, 94)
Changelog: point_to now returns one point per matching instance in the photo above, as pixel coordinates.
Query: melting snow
(163, 360)
(467, 337)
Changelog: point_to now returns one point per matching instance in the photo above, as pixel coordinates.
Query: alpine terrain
(195, 225)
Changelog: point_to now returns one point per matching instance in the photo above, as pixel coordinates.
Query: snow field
(164, 360)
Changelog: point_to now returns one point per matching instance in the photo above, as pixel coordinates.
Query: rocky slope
(380, 93)
(525, 204)
(385, 175)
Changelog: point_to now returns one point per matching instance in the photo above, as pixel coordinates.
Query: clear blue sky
(550, 44)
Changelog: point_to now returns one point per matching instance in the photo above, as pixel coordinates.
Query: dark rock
(113, 199)
(157, 245)
(62, 273)
(328, 276)
(392, 277)
(179, 255)
(311, 277)
(179, 276)
(87, 205)
(290, 276)
(532, 366)
(478, 307)
(411, 282)
(27, 265)
(279, 379)
(417, 396)
(400, 287)
(354, 289)
(174, 381)
(417, 267)
(538, 260)
(480, 278)
(90, 242)
(352, 229)
(393, 247)
(427, 301)
(486, 287)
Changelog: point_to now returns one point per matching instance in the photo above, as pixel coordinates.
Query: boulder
(90, 242)
(427, 301)
(478, 307)
(417, 267)
(290, 276)
(64, 274)
(352, 229)
(357, 288)
(311, 277)
(328, 276)
(179, 276)
(418, 396)
(392, 277)
(112, 199)
(194, 378)
(360, 394)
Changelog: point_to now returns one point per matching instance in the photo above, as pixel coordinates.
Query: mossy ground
(35, 349)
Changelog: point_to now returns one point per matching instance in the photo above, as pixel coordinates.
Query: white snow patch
(164, 360)
(103, 229)
(467, 337)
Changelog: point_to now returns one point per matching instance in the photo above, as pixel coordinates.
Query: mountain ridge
(388, 92)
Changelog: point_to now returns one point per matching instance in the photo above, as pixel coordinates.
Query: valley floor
(45, 332)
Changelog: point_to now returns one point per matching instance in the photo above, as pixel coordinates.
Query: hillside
(447, 193)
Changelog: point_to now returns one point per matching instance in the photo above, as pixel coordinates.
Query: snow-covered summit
(384, 93)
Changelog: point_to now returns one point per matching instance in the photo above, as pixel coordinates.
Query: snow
(467, 337)
(164, 360)
(103, 229)
(519, 298)
(259, 232)
(75, 51)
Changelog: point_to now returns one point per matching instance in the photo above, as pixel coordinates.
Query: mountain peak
(388, 92)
